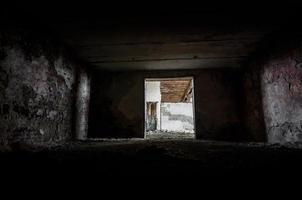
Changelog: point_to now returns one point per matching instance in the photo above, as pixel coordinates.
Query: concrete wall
(282, 98)
(279, 74)
(152, 91)
(177, 117)
(37, 89)
(82, 104)
(253, 107)
(152, 94)
(117, 103)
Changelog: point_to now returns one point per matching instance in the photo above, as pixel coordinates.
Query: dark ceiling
(149, 36)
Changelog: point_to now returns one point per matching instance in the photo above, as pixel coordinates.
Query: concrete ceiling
(159, 48)
(149, 38)
(210, 37)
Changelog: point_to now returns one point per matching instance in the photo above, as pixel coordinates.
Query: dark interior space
(72, 86)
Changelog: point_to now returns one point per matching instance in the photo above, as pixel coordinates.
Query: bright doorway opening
(169, 108)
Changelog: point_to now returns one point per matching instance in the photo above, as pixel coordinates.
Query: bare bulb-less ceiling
(161, 47)
(158, 38)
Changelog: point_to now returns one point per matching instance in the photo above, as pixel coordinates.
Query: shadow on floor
(157, 157)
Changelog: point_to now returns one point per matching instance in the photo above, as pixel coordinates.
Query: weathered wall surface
(282, 97)
(177, 117)
(117, 103)
(275, 103)
(82, 104)
(37, 90)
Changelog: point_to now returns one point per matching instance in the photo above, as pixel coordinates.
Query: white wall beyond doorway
(177, 117)
(174, 113)
(152, 94)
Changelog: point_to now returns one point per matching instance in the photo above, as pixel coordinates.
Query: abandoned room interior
(169, 108)
(198, 90)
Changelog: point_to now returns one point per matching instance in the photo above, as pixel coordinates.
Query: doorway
(151, 120)
(169, 108)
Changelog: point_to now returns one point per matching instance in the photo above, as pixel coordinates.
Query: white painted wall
(170, 122)
(152, 94)
(152, 89)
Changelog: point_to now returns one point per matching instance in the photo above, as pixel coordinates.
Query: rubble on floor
(169, 135)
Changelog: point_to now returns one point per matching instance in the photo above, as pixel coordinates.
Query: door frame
(169, 78)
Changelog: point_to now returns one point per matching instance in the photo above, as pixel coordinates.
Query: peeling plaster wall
(117, 103)
(274, 89)
(36, 90)
(177, 117)
(282, 97)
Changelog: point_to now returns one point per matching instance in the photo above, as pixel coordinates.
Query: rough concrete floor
(157, 157)
(169, 135)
